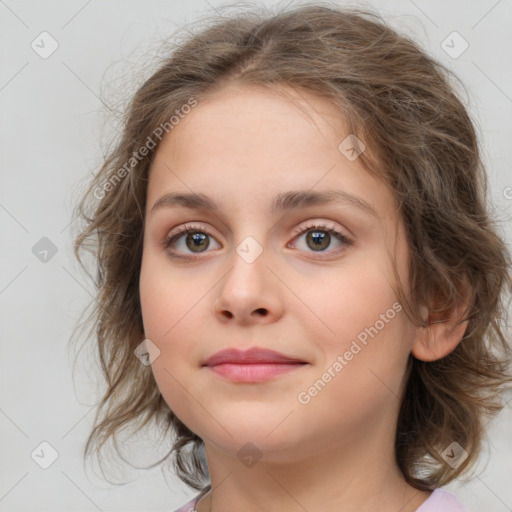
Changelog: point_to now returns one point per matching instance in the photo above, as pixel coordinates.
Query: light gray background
(51, 135)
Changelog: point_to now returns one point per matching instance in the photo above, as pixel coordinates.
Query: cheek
(355, 301)
(363, 323)
(167, 299)
(171, 313)
(361, 372)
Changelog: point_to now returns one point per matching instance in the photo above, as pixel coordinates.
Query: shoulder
(189, 506)
(442, 500)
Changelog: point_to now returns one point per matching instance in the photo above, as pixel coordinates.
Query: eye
(319, 236)
(197, 239)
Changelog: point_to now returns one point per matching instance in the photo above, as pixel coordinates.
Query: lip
(253, 365)
(255, 355)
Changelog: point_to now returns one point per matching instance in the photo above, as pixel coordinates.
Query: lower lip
(254, 372)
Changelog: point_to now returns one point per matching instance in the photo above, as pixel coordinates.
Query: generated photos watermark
(342, 360)
(144, 150)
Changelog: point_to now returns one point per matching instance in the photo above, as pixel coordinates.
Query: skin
(240, 147)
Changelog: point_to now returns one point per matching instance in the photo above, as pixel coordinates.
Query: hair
(420, 142)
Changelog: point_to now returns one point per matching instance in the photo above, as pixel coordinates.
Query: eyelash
(190, 228)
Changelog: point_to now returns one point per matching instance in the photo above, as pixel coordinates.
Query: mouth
(254, 372)
(254, 365)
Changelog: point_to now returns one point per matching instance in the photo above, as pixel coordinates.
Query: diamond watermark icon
(44, 455)
(44, 250)
(249, 454)
(44, 45)
(454, 455)
(249, 249)
(454, 45)
(351, 147)
(147, 352)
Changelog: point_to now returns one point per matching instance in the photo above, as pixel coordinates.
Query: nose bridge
(248, 290)
(247, 265)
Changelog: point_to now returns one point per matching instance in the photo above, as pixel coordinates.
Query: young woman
(297, 273)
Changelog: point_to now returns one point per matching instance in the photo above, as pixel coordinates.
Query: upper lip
(252, 356)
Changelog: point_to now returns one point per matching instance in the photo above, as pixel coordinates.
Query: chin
(261, 437)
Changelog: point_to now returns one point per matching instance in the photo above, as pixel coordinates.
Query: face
(313, 281)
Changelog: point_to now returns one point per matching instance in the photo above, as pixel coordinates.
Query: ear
(443, 331)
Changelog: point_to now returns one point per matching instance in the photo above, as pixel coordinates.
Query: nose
(250, 292)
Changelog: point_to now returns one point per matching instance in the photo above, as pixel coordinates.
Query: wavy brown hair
(420, 142)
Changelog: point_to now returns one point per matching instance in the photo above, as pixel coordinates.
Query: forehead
(249, 120)
(243, 145)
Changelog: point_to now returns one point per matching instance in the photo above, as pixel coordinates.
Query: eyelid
(311, 224)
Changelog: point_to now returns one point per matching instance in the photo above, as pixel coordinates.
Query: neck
(351, 476)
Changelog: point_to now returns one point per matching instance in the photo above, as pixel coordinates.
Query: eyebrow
(281, 202)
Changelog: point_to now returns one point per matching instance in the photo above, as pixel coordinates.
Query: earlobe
(441, 333)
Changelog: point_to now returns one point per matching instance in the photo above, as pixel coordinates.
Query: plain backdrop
(52, 128)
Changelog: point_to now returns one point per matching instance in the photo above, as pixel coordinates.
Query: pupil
(196, 239)
(320, 239)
